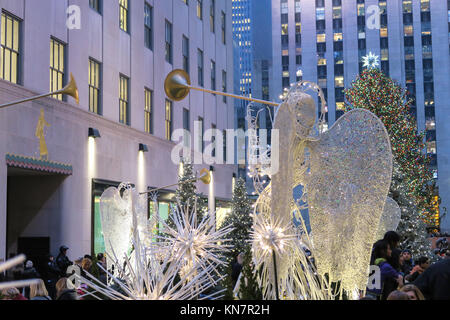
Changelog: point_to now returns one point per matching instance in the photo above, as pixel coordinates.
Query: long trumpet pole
(71, 89)
(178, 86)
(205, 177)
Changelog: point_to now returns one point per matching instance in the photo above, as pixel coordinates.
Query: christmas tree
(249, 288)
(240, 219)
(186, 194)
(412, 186)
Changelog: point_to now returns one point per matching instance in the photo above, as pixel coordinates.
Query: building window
(201, 134)
(148, 111)
(168, 42)
(94, 86)
(224, 134)
(168, 119)
(200, 9)
(186, 127)
(213, 140)
(213, 75)
(224, 21)
(124, 116)
(185, 52)
(95, 4)
(224, 84)
(57, 50)
(200, 67)
(123, 14)
(10, 49)
(212, 16)
(148, 22)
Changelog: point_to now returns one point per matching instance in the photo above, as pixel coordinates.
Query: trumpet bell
(177, 85)
(71, 89)
(205, 176)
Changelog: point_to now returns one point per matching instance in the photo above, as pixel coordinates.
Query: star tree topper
(370, 61)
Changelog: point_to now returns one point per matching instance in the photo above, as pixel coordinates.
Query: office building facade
(53, 164)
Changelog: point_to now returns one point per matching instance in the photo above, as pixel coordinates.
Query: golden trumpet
(178, 85)
(70, 89)
(205, 177)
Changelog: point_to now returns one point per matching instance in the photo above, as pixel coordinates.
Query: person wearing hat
(62, 260)
(408, 264)
(29, 272)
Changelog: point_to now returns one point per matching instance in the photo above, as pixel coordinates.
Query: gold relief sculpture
(43, 151)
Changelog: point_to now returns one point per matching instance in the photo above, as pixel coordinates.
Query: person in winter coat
(237, 268)
(52, 275)
(102, 273)
(407, 262)
(39, 292)
(422, 264)
(63, 261)
(29, 273)
(391, 283)
(12, 294)
(63, 292)
(434, 282)
(381, 252)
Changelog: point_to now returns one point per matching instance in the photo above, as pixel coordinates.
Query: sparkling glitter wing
(390, 218)
(116, 221)
(350, 175)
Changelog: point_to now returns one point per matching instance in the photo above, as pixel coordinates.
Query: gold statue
(40, 134)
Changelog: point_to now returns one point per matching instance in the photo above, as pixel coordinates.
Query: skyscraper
(326, 40)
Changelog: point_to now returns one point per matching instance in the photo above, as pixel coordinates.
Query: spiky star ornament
(370, 61)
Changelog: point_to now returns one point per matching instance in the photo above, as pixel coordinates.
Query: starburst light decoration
(370, 61)
(154, 269)
(193, 243)
(284, 268)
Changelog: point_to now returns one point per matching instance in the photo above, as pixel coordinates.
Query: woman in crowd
(397, 295)
(39, 292)
(413, 292)
(63, 292)
(381, 252)
(12, 294)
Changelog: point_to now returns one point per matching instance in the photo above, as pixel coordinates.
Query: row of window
(10, 66)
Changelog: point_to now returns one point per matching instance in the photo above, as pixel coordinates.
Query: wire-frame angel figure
(344, 173)
(156, 268)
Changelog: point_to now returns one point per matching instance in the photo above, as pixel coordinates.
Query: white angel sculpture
(345, 173)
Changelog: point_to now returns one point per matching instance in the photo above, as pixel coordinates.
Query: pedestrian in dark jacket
(237, 268)
(381, 252)
(63, 261)
(29, 272)
(422, 264)
(434, 282)
(391, 283)
(407, 262)
(52, 275)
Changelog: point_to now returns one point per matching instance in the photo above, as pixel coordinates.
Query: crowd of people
(53, 283)
(404, 277)
(400, 275)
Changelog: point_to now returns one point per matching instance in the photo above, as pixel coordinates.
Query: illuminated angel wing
(116, 220)
(350, 175)
(390, 218)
